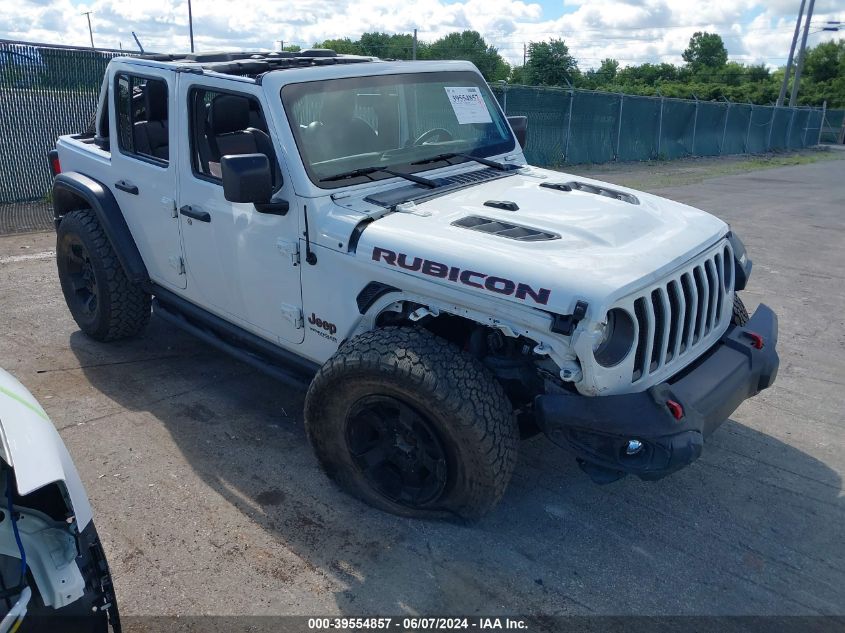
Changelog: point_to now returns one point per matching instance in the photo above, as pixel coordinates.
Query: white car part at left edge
(31, 446)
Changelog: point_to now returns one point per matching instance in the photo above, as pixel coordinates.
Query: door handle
(196, 214)
(128, 187)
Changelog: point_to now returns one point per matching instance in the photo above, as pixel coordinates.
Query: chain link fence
(47, 91)
(568, 126)
(833, 128)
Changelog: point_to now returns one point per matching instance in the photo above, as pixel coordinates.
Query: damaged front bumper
(656, 432)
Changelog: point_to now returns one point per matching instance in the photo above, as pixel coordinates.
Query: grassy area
(650, 175)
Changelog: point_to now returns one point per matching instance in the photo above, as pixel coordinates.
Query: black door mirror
(520, 128)
(247, 178)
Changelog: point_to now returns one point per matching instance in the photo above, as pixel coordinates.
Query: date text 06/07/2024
(418, 623)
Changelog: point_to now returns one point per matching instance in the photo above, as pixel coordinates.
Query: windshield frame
(468, 77)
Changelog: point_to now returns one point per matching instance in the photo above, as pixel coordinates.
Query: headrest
(229, 113)
(156, 100)
(337, 107)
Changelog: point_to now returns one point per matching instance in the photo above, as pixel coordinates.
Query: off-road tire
(740, 313)
(122, 308)
(465, 404)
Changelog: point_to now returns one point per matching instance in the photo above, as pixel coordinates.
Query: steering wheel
(436, 132)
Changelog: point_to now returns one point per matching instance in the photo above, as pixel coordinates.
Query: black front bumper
(598, 430)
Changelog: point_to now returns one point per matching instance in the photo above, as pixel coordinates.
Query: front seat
(229, 132)
(151, 135)
(339, 132)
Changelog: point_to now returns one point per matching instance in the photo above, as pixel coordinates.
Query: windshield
(398, 122)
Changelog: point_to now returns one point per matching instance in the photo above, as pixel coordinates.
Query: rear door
(144, 162)
(241, 264)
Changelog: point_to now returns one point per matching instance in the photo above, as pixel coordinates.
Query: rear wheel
(412, 425)
(103, 302)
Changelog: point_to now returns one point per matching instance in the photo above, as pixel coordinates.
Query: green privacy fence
(44, 92)
(47, 91)
(834, 125)
(578, 126)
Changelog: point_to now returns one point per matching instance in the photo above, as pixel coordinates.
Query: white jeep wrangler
(371, 230)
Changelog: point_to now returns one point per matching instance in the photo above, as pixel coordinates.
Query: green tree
(386, 46)
(705, 50)
(550, 64)
(517, 75)
(469, 45)
(825, 61)
(344, 46)
(608, 69)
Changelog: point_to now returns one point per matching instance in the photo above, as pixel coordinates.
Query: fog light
(634, 447)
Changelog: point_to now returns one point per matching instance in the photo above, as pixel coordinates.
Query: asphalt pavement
(209, 500)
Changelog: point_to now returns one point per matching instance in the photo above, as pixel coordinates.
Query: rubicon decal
(475, 279)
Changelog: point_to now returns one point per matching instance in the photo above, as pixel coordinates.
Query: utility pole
(191, 25)
(87, 14)
(138, 42)
(281, 44)
(414, 52)
(785, 82)
(793, 98)
(524, 54)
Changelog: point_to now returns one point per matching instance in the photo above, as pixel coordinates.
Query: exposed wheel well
(65, 201)
(522, 373)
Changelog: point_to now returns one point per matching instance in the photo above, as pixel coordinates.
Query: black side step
(245, 346)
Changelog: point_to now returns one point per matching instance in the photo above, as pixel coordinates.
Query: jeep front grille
(678, 318)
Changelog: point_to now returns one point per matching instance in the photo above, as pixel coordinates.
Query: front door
(240, 263)
(144, 160)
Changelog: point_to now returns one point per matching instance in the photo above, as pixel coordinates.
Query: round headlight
(616, 340)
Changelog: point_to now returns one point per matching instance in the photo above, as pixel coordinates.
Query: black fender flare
(73, 191)
(742, 264)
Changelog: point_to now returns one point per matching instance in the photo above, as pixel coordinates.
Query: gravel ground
(209, 500)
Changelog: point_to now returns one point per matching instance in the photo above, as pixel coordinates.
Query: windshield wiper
(368, 171)
(477, 159)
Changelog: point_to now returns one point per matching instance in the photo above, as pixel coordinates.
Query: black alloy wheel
(80, 274)
(397, 450)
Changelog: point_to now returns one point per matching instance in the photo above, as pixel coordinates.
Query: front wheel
(740, 312)
(412, 425)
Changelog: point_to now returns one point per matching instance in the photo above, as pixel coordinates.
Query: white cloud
(632, 31)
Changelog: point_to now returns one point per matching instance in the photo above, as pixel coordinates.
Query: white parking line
(13, 259)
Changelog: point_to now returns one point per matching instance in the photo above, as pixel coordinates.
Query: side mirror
(519, 124)
(246, 178)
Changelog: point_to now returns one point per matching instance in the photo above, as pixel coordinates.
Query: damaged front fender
(30, 444)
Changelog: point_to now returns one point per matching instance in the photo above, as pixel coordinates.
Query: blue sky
(631, 31)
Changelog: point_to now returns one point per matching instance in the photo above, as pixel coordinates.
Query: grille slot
(505, 229)
(679, 315)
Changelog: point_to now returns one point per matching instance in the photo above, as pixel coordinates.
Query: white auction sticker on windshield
(468, 105)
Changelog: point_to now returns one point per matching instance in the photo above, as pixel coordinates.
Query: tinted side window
(142, 111)
(225, 123)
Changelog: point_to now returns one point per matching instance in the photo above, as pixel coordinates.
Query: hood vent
(587, 188)
(473, 177)
(505, 229)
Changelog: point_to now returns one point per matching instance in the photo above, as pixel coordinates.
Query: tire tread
(461, 388)
(128, 307)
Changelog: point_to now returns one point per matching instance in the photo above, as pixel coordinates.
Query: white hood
(30, 444)
(607, 247)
